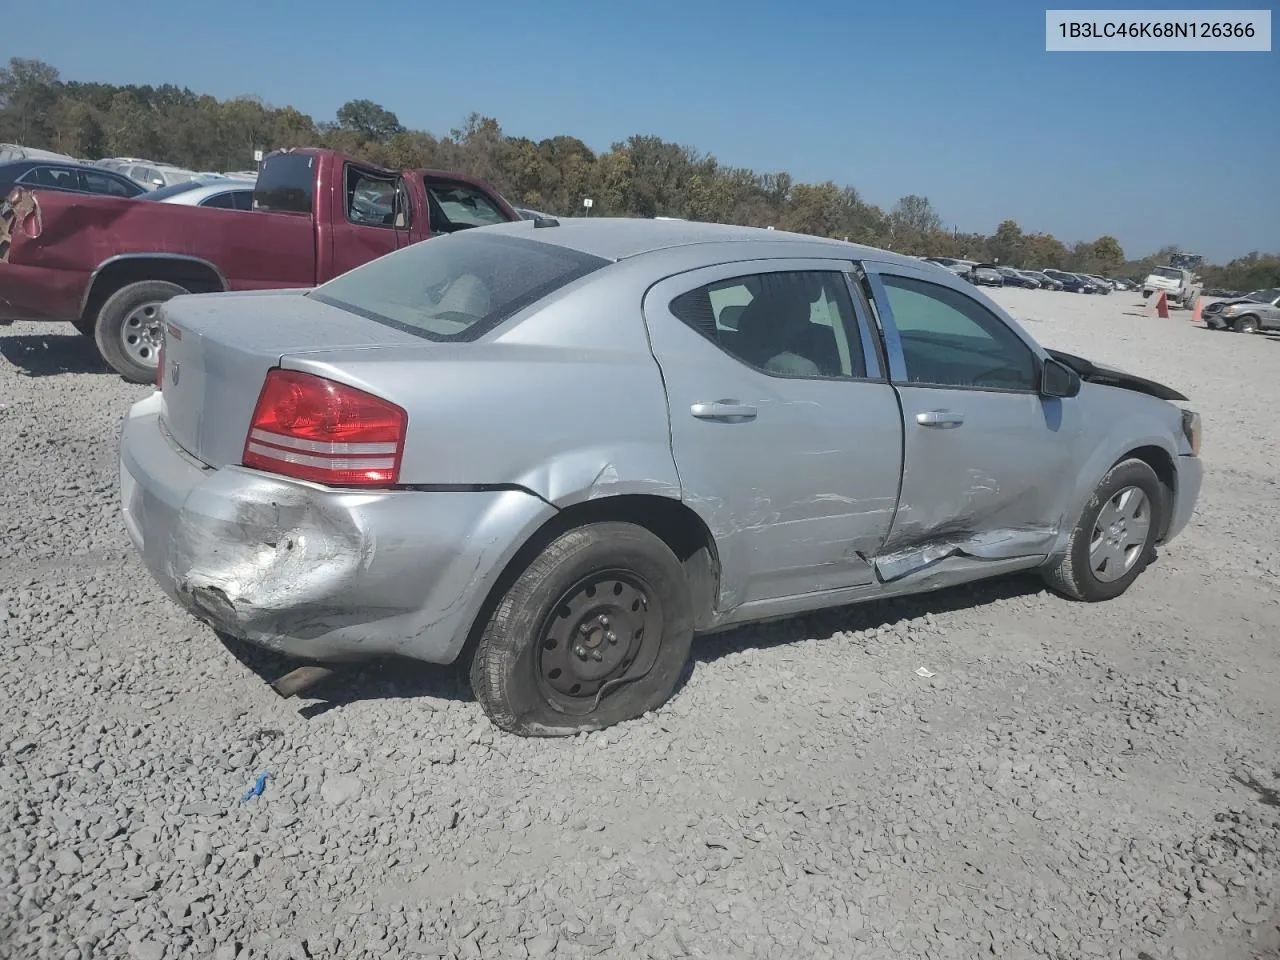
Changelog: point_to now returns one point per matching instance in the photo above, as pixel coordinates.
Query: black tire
(1073, 574)
(1247, 324)
(109, 331)
(524, 662)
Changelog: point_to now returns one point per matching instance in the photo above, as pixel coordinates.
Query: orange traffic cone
(1159, 307)
(1195, 312)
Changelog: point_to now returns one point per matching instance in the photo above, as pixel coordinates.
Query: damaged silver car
(560, 450)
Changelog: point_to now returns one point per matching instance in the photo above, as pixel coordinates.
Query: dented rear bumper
(313, 572)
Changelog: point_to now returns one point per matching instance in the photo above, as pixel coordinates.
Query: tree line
(642, 176)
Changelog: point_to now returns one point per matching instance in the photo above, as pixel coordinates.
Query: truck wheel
(597, 629)
(128, 328)
(1115, 537)
(1246, 325)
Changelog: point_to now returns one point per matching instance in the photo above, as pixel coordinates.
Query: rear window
(456, 286)
(286, 183)
(1167, 272)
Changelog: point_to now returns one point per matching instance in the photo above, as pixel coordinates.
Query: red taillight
(312, 428)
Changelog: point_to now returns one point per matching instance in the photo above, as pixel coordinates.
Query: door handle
(939, 418)
(728, 411)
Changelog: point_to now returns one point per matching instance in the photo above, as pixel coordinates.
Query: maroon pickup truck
(106, 264)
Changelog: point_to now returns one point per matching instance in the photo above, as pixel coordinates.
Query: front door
(987, 460)
(786, 437)
(371, 223)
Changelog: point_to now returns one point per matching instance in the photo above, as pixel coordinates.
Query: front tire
(1115, 537)
(128, 329)
(595, 630)
(1246, 325)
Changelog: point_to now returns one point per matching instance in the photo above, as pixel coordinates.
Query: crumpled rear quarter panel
(318, 573)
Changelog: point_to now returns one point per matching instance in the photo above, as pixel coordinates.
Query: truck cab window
(457, 206)
(372, 200)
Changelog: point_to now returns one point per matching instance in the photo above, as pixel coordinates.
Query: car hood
(1110, 377)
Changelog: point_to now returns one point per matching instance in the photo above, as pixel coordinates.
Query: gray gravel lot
(1073, 781)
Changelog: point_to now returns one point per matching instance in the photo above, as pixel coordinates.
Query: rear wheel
(128, 330)
(596, 630)
(1115, 537)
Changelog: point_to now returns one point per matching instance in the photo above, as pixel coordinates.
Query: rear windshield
(286, 183)
(1167, 272)
(456, 286)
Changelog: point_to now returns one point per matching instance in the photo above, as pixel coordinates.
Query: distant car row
(225, 191)
(994, 275)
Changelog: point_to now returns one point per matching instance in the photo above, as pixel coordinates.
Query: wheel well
(670, 520)
(1159, 460)
(195, 276)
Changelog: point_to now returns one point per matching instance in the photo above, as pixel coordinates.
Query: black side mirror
(1058, 380)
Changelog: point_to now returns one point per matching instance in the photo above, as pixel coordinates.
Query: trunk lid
(219, 347)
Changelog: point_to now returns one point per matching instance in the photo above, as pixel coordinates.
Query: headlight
(1234, 308)
(1191, 429)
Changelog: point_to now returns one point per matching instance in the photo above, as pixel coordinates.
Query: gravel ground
(1072, 781)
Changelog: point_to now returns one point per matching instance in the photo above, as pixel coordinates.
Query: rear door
(368, 220)
(786, 436)
(987, 461)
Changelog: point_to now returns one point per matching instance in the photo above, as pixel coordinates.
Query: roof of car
(618, 238)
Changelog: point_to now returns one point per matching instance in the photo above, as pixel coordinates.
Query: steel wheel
(141, 332)
(1120, 534)
(603, 629)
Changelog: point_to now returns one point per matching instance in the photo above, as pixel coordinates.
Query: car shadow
(380, 678)
(399, 678)
(863, 616)
(50, 354)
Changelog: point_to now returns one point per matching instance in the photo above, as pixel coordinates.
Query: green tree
(29, 89)
(1107, 254)
(370, 120)
(1008, 244)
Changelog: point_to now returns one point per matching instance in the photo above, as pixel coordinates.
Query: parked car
(1121, 283)
(15, 151)
(527, 214)
(68, 177)
(1016, 278)
(544, 449)
(961, 268)
(1259, 310)
(1045, 281)
(1070, 281)
(986, 275)
(218, 192)
(1100, 284)
(317, 214)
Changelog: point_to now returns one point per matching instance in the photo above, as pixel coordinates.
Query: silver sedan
(559, 450)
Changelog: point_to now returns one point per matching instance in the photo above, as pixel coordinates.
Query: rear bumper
(313, 572)
(1190, 479)
(39, 293)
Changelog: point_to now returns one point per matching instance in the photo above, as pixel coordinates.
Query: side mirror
(1058, 380)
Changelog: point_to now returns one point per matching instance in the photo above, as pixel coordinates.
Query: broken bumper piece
(309, 571)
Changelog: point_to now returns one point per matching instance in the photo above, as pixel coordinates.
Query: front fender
(1142, 424)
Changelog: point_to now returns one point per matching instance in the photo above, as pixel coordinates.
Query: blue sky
(959, 102)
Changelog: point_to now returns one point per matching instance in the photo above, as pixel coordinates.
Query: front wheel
(1246, 325)
(594, 631)
(1114, 539)
(128, 331)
